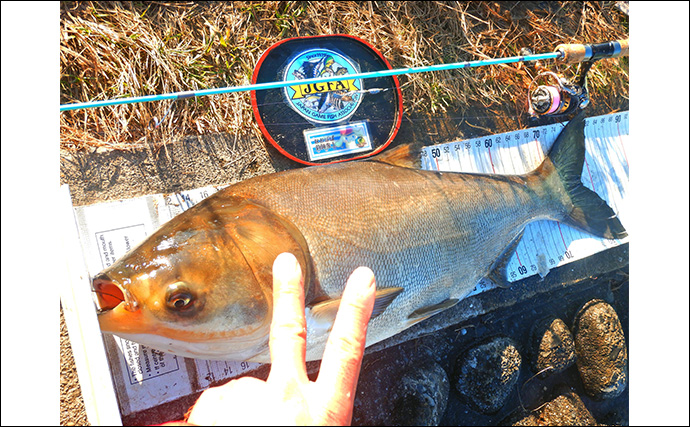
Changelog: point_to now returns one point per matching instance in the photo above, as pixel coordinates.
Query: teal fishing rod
(571, 53)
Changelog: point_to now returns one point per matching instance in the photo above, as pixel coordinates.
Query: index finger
(342, 357)
(288, 337)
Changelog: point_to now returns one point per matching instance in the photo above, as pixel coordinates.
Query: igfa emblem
(330, 102)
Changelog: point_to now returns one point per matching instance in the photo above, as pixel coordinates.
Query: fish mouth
(117, 309)
(110, 295)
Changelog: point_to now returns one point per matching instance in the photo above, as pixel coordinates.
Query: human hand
(287, 396)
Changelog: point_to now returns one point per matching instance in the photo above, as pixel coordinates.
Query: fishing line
(155, 122)
(522, 388)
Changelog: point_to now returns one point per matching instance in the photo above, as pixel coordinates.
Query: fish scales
(434, 234)
(201, 285)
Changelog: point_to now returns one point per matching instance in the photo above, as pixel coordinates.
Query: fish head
(201, 285)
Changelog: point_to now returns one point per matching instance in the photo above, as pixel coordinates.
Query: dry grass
(122, 49)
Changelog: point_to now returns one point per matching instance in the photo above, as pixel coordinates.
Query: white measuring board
(547, 244)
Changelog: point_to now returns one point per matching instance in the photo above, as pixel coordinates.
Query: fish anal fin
(497, 272)
(323, 313)
(428, 311)
(402, 155)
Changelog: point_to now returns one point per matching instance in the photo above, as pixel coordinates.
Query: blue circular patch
(331, 102)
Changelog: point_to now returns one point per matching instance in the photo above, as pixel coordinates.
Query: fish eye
(179, 297)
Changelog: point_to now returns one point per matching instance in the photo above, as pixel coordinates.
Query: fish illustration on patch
(323, 103)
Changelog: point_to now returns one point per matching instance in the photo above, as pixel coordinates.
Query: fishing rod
(570, 53)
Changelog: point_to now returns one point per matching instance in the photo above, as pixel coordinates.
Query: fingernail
(286, 262)
(364, 274)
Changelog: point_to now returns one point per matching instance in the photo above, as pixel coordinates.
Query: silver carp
(201, 285)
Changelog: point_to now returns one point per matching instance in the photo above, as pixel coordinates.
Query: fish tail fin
(584, 208)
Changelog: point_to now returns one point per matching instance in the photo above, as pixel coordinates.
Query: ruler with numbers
(547, 244)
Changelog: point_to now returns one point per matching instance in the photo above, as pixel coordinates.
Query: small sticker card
(327, 142)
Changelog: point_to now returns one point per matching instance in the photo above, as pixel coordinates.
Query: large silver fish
(201, 285)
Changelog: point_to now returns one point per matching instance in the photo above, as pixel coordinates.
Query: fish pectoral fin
(384, 298)
(323, 313)
(426, 312)
(497, 272)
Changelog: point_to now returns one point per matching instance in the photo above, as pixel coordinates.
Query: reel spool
(565, 97)
(555, 100)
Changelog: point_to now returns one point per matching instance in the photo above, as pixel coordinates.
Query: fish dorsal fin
(323, 313)
(403, 155)
(428, 311)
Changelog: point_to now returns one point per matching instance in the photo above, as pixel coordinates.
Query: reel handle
(574, 53)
